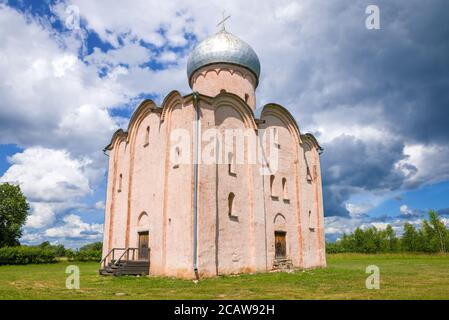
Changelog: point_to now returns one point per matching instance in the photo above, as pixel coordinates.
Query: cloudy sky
(377, 100)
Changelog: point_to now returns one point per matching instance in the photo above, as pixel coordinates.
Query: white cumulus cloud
(50, 179)
(74, 227)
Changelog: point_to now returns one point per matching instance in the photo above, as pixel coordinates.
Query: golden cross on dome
(222, 22)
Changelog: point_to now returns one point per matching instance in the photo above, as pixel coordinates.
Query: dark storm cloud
(350, 163)
(395, 79)
(409, 69)
(403, 67)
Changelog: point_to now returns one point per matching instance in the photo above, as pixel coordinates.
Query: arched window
(120, 178)
(147, 137)
(246, 97)
(231, 204)
(284, 189)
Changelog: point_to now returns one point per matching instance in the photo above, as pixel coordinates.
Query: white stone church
(195, 218)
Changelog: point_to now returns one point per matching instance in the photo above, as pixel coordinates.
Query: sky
(73, 71)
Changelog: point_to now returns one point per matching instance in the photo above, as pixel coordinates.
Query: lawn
(402, 276)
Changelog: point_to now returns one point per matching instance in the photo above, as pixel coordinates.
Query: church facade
(190, 216)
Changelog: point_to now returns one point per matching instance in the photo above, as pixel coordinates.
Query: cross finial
(222, 22)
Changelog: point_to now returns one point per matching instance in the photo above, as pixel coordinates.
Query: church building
(210, 182)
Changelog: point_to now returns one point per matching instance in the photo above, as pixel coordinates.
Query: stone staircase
(126, 267)
(126, 264)
(282, 264)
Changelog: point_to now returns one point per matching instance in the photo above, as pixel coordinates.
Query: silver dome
(223, 47)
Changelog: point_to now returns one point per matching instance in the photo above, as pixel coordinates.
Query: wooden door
(280, 245)
(143, 245)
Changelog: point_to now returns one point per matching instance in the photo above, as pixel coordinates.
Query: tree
(13, 214)
(93, 246)
(440, 233)
(59, 250)
(410, 240)
(390, 243)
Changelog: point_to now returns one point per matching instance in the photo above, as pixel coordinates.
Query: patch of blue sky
(7, 150)
(36, 8)
(93, 40)
(434, 196)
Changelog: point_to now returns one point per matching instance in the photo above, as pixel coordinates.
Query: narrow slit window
(284, 189)
(147, 137)
(231, 164)
(231, 204)
(272, 191)
(275, 137)
(309, 175)
(120, 178)
(311, 223)
(177, 157)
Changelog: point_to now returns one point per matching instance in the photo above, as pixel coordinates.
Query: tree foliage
(13, 214)
(59, 250)
(433, 236)
(88, 252)
(25, 255)
(93, 246)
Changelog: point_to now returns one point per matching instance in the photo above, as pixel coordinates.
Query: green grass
(403, 276)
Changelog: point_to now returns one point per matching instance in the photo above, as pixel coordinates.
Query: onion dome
(223, 47)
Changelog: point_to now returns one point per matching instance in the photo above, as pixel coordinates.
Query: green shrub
(84, 255)
(25, 255)
(335, 248)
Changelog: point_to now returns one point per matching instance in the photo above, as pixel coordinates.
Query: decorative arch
(239, 105)
(171, 101)
(279, 218)
(117, 137)
(141, 112)
(312, 142)
(217, 68)
(143, 220)
(147, 106)
(279, 222)
(283, 115)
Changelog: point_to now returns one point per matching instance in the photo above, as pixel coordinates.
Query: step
(104, 272)
(130, 267)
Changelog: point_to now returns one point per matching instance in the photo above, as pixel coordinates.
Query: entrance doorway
(143, 245)
(280, 245)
